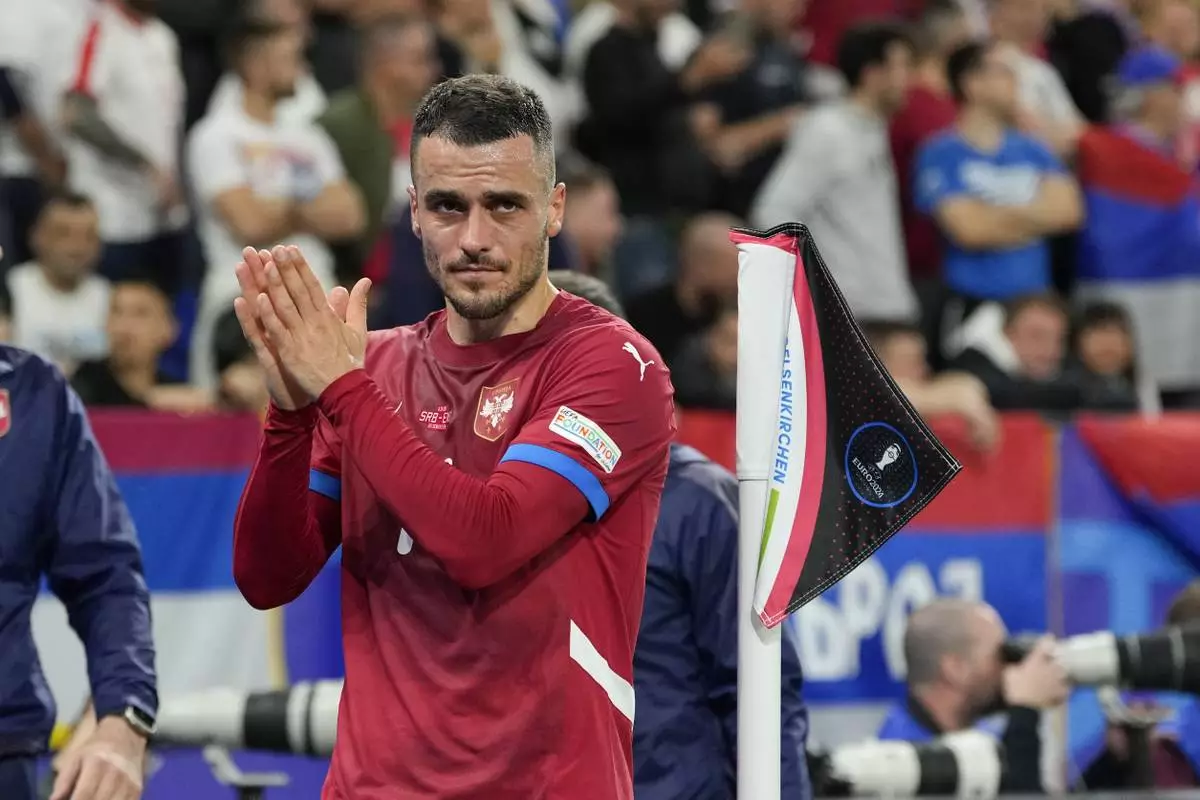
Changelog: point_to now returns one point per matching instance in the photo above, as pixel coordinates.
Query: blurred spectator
(308, 100)
(59, 303)
(928, 109)
(1022, 367)
(125, 109)
(260, 181)
(35, 41)
(1103, 360)
(675, 36)
(514, 38)
(745, 119)
(901, 348)
(1045, 107)
(593, 222)
(1086, 42)
(1173, 25)
(637, 125)
(704, 372)
(140, 329)
(371, 126)
(956, 680)
(837, 175)
(242, 386)
(707, 281)
(826, 22)
(334, 43)
(1140, 245)
(995, 193)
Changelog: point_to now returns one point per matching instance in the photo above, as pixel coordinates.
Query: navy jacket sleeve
(710, 568)
(11, 105)
(95, 567)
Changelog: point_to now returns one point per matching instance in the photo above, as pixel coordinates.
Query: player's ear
(558, 205)
(412, 211)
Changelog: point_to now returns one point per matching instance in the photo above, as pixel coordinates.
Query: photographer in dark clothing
(957, 680)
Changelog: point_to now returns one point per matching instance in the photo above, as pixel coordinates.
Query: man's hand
(166, 189)
(1039, 681)
(972, 403)
(313, 342)
(108, 766)
(252, 277)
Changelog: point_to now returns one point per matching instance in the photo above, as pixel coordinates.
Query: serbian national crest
(495, 404)
(5, 412)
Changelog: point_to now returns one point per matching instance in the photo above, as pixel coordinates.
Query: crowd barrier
(1091, 525)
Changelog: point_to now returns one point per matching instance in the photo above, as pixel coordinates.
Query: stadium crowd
(950, 168)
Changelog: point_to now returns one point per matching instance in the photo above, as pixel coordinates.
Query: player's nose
(475, 235)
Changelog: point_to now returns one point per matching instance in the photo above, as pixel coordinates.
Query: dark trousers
(18, 778)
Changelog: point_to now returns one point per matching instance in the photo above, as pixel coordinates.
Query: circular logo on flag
(881, 468)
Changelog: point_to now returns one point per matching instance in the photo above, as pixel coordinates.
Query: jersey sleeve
(93, 65)
(606, 421)
(325, 474)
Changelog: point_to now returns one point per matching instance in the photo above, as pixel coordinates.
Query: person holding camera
(958, 680)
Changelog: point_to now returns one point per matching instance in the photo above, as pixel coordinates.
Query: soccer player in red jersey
(492, 474)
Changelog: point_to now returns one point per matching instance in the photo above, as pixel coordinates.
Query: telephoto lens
(964, 764)
(1164, 660)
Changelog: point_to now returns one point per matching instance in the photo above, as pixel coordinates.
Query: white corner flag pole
(764, 296)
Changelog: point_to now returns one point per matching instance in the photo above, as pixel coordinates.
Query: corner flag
(845, 459)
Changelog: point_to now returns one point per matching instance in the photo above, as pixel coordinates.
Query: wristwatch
(140, 721)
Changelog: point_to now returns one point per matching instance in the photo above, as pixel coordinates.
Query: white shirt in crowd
(1041, 89)
(131, 68)
(65, 327)
(308, 102)
(37, 41)
(227, 150)
(837, 176)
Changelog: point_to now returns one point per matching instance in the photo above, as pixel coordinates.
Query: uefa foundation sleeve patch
(847, 461)
(575, 427)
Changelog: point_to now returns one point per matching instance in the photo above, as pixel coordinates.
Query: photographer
(956, 680)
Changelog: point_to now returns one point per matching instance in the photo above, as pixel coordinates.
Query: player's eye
(445, 206)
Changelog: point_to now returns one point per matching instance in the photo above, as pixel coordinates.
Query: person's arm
(337, 212)
(599, 431)
(95, 568)
(799, 178)
(733, 145)
(288, 522)
(1058, 207)
(81, 109)
(220, 178)
(1022, 743)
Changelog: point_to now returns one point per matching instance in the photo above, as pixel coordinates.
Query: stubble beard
(486, 304)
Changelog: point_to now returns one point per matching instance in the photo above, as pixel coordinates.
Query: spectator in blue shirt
(685, 663)
(995, 193)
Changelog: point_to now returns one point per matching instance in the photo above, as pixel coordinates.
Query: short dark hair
(246, 33)
(1019, 305)
(229, 343)
(594, 290)
(879, 333)
(866, 45)
(962, 64)
(481, 109)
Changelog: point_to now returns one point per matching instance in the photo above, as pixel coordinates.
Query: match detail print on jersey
(848, 461)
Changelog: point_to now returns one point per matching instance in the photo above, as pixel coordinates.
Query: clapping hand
(304, 339)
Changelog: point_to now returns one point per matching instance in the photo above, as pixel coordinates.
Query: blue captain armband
(325, 484)
(565, 467)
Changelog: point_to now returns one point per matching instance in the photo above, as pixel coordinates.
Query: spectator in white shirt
(59, 304)
(309, 100)
(837, 175)
(260, 182)
(125, 110)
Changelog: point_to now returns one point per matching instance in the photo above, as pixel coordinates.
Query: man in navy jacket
(685, 664)
(62, 517)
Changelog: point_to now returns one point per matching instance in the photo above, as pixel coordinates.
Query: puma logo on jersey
(629, 348)
(404, 544)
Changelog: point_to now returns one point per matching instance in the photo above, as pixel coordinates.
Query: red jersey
(464, 682)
